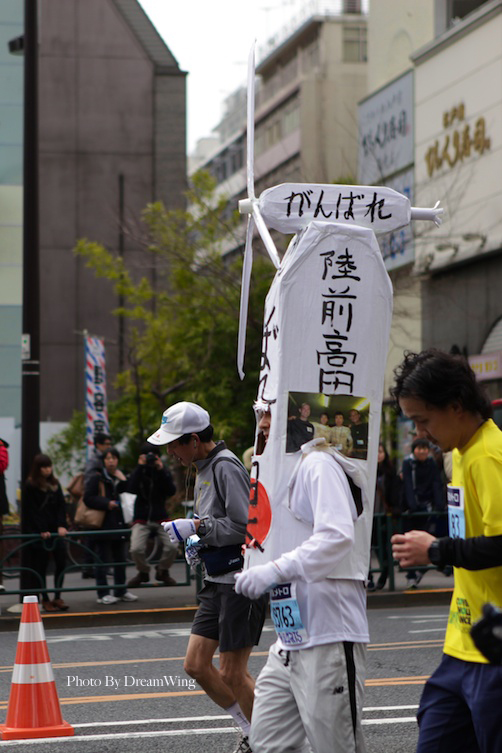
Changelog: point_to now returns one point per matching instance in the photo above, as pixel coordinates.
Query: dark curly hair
(440, 379)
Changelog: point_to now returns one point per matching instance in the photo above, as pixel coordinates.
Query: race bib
(285, 613)
(456, 515)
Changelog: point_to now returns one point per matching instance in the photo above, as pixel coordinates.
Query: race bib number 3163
(456, 514)
(285, 613)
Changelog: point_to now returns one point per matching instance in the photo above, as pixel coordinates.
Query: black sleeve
(92, 497)
(134, 480)
(166, 482)
(477, 553)
(61, 508)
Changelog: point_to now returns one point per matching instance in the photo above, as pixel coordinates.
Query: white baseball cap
(180, 418)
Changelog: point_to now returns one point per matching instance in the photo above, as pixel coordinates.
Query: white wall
(396, 28)
(468, 71)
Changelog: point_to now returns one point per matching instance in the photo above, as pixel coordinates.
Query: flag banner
(96, 411)
(324, 350)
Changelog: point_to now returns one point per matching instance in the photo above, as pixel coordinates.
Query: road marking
(123, 736)
(209, 718)
(110, 662)
(74, 700)
(428, 630)
(170, 720)
(396, 720)
(173, 733)
(416, 617)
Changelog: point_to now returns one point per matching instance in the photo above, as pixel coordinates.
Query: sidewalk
(161, 604)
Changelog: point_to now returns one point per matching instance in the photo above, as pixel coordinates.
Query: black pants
(38, 554)
(110, 550)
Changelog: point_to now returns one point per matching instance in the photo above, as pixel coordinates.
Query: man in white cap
(224, 618)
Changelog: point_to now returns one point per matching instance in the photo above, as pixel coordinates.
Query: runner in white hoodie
(312, 685)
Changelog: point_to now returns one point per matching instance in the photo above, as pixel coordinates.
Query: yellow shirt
(477, 469)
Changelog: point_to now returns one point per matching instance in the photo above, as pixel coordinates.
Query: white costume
(314, 677)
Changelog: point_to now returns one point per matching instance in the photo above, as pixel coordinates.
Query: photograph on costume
(342, 420)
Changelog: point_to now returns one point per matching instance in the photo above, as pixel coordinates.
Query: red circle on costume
(259, 513)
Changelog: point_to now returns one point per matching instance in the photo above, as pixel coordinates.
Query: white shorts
(310, 700)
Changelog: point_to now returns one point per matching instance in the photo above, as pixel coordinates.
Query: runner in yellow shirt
(460, 706)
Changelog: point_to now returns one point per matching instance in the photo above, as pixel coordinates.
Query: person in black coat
(43, 512)
(102, 492)
(152, 484)
(423, 492)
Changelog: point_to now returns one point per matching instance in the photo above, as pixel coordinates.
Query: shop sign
(458, 144)
(487, 365)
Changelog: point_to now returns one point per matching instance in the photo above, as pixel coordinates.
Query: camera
(151, 458)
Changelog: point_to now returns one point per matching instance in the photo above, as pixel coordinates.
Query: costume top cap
(180, 418)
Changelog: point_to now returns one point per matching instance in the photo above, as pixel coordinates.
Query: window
(354, 44)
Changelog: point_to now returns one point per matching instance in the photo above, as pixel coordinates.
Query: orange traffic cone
(33, 709)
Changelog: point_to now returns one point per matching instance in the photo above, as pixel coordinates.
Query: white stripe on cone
(31, 631)
(32, 673)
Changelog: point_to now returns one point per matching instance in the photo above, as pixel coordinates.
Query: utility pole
(30, 350)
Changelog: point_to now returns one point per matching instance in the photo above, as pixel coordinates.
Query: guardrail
(75, 547)
(386, 525)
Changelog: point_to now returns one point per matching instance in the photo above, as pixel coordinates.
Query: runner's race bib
(456, 515)
(285, 613)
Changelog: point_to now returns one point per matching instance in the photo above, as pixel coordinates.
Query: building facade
(309, 81)
(112, 116)
(402, 35)
(458, 150)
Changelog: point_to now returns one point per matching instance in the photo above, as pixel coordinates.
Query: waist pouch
(219, 560)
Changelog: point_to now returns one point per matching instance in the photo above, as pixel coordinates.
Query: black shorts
(229, 618)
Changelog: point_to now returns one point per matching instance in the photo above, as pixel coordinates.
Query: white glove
(254, 582)
(179, 529)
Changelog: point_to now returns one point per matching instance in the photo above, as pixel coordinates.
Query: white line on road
(185, 732)
(123, 736)
(218, 717)
(172, 720)
(396, 720)
(428, 630)
(417, 616)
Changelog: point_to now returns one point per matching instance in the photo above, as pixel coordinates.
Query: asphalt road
(124, 690)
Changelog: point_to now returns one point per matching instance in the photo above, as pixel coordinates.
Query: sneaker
(128, 596)
(244, 746)
(2, 587)
(162, 576)
(138, 579)
(410, 583)
(108, 599)
(418, 578)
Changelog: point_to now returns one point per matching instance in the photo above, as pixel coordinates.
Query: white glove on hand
(254, 582)
(179, 529)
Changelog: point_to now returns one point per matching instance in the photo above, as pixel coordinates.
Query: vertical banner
(96, 411)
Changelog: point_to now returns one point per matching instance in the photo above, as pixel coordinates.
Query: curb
(118, 617)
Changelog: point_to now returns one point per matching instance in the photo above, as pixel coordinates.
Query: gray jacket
(226, 513)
